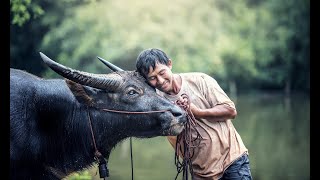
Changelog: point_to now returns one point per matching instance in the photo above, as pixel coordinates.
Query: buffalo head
(126, 92)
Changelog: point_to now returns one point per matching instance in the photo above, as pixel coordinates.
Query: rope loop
(185, 142)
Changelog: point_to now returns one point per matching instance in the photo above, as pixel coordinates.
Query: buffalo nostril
(180, 115)
(177, 111)
(177, 114)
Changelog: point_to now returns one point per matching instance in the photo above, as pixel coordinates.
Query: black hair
(149, 58)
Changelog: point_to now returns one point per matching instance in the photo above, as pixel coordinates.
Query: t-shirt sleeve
(213, 92)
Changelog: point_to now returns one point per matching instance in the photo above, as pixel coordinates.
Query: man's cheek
(152, 84)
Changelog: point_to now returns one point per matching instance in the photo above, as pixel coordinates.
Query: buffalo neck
(65, 135)
(68, 131)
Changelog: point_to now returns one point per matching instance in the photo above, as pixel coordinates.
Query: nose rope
(134, 112)
(185, 142)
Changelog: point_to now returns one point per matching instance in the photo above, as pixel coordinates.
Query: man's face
(160, 77)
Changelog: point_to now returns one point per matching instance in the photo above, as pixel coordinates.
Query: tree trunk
(287, 88)
(233, 90)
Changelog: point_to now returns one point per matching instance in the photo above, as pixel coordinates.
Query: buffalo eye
(132, 92)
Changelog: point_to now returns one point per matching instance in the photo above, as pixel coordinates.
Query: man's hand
(195, 110)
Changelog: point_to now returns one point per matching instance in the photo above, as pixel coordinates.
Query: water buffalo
(60, 126)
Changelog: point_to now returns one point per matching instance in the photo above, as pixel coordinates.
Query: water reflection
(276, 131)
(274, 128)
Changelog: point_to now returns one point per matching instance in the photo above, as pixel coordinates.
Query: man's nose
(160, 80)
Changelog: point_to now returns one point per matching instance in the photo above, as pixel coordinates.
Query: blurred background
(258, 51)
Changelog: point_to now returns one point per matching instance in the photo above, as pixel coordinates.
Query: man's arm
(221, 112)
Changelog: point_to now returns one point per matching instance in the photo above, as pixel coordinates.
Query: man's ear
(80, 93)
(170, 64)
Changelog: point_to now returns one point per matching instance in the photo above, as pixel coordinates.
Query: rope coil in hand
(185, 142)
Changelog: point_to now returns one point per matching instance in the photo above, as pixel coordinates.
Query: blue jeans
(238, 170)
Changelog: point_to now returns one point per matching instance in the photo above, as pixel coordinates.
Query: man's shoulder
(194, 76)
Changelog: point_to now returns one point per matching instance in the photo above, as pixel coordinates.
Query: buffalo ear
(79, 93)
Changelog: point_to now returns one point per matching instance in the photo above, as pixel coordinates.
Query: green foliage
(26, 36)
(259, 44)
(23, 10)
(83, 175)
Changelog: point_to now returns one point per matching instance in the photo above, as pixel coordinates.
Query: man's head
(155, 66)
(148, 58)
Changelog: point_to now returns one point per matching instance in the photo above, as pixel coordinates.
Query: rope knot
(97, 154)
(184, 102)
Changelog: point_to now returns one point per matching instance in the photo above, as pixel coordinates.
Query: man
(221, 153)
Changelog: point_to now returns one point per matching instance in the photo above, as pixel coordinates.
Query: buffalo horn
(100, 81)
(110, 65)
